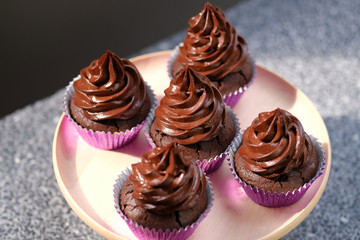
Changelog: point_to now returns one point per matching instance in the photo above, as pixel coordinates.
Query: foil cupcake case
(86, 175)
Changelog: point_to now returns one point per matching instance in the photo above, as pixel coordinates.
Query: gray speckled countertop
(313, 44)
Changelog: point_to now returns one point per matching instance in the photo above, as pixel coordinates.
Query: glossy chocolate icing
(275, 144)
(110, 88)
(212, 46)
(192, 110)
(164, 183)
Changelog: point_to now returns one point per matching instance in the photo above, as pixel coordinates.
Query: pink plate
(86, 175)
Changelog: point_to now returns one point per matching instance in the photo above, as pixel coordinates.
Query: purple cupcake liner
(101, 139)
(145, 233)
(212, 164)
(230, 99)
(269, 199)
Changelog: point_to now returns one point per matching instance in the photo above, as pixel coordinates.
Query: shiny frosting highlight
(110, 88)
(212, 46)
(275, 144)
(192, 110)
(164, 183)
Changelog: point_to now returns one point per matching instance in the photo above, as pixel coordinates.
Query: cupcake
(163, 196)
(214, 48)
(192, 114)
(277, 160)
(109, 102)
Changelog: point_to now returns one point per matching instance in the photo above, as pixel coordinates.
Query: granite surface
(313, 44)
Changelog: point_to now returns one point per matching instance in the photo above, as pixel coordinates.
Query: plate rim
(277, 233)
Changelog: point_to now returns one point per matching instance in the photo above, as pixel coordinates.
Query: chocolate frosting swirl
(110, 88)
(192, 110)
(275, 144)
(212, 46)
(164, 183)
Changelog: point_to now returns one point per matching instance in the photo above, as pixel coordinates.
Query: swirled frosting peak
(192, 110)
(110, 88)
(275, 144)
(164, 183)
(212, 46)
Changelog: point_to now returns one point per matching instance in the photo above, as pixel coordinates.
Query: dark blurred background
(44, 44)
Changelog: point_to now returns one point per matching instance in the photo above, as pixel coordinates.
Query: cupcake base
(174, 220)
(111, 125)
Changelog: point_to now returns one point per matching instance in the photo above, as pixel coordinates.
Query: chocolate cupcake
(278, 157)
(108, 102)
(214, 48)
(193, 115)
(163, 195)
